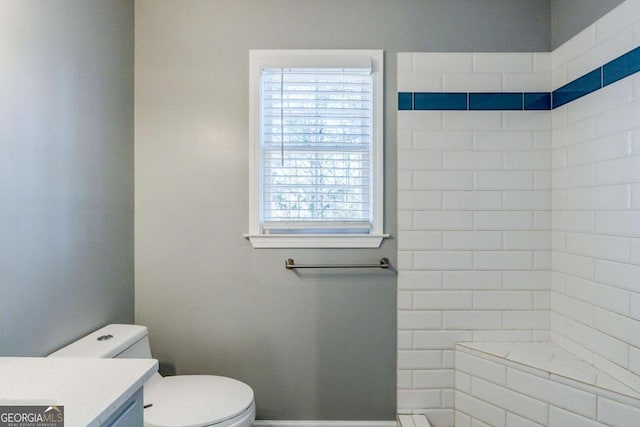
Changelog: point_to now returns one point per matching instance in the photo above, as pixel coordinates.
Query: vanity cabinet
(94, 392)
(130, 414)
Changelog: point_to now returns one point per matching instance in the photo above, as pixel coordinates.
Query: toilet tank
(111, 341)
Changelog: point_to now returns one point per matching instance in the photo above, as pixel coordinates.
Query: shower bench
(528, 384)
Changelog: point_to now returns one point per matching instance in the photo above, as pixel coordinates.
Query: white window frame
(259, 59)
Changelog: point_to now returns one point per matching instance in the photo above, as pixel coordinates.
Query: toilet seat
(197, 401)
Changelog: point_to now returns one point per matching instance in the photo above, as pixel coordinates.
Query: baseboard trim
(316, 423)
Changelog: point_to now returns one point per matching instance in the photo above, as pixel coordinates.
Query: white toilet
(177, 401)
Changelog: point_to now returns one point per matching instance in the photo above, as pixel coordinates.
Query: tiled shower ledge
(543, 357)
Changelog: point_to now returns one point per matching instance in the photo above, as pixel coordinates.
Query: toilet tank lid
(106, 342)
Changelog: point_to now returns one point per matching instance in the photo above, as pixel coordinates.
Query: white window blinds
(316, 136)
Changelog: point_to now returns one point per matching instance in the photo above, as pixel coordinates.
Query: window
(316, 133)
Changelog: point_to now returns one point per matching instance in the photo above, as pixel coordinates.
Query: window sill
(260, 241)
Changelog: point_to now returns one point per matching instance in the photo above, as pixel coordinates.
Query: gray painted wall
(569, 17)
(313, 345)
(66, 170)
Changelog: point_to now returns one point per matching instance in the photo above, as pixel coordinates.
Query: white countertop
(89, 389)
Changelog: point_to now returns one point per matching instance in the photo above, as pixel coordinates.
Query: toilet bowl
(175, 401)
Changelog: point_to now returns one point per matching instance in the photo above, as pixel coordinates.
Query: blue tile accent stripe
(578, 88)
(440, 101)
(496, 101)
(621, 67)
(617, 69)
(537, 101)
(405, 101)
(462, 101)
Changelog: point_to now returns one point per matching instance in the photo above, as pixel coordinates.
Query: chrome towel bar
(289, 264)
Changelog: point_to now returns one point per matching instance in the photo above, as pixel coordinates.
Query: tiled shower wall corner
(474, 220)
(595, 294)
(480, 210)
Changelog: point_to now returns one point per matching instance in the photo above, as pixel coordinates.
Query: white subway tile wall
(474, 223)
(498, 392)
(520, 226)
(595, 223)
